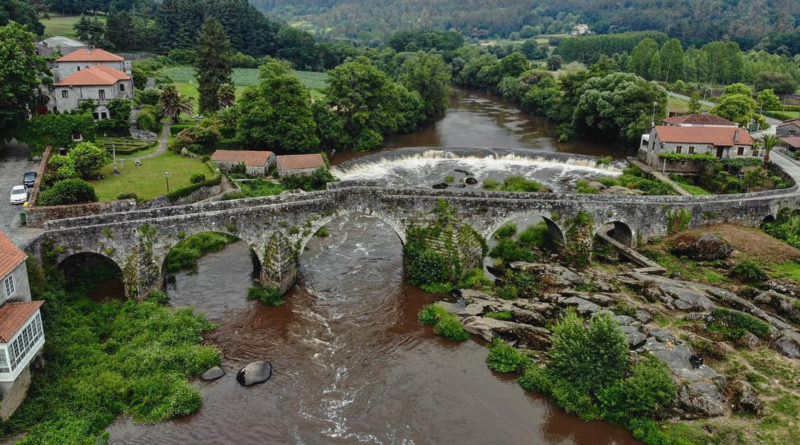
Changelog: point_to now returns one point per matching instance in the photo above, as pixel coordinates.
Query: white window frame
(20, 350)
(9, 286)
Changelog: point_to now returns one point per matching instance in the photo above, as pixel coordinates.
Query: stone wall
(38, 216)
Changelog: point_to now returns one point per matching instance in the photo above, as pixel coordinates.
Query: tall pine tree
(213, 63)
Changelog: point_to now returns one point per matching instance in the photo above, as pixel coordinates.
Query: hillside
(693, 21)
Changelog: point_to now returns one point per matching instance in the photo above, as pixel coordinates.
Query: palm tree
(173, 103)
(770, 141)
(226, 95)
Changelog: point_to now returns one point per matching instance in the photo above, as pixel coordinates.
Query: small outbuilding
(791, 142)
(300, 164)
(257, 163)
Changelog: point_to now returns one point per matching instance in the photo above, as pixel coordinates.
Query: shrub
(748, 272)
(197, 178)
(322, 232)
(506, 231)
(646, 393)
(536, 236)
(520, 184)
(535, 379)
(734, 324)
(88, 159)
(68, 191)
(503, 357)
(149, 122)
(158, 297)
(509, 250)
(129, 195)
(186, 253)
(444, 323)
(507, 292)
(449, 179)
(268, 295)
(502, 315)
(430, 314)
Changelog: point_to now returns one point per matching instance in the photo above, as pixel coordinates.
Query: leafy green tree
(88, 159)
(226, 95)
(735, 107)
(768, 100)
(642, 56)
(91, 30)
(513, 65)
(554, 63)
(22, 12)
(172, 103)
(654, 71)
(780, 83)
(298, 47)
(20, 71)
(428, 75)
(276, 115)
(738, 88)
(68, 191)
(213, 64)
(589, 357)
(618, 106)
(694, 103)
(672, 60)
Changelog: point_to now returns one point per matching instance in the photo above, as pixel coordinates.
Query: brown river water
(352, 364)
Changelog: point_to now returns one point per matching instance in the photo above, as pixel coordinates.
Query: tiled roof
(94, 75)
(719, 136)
(14, 315)
(10, 255)
(698, 119)
(792, 141)
(251, 158)
(791, 122)
(90, 55)
(300, 162)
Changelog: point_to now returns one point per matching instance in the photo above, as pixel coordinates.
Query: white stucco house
(82, 59)
(21, 332)
(99, 84)
(683, 149)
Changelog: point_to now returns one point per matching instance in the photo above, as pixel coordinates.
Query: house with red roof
(684, 149)
(300, 164)
(98, 84)
(21, 332)
(697, 120)
(83, 58)
(256, 163)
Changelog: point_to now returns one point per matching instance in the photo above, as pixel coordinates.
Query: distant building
(82, 59)
(788, 128)
(580, 29)
(99, 84)
(257, 163)
(670, 148)
(59, 45)
(791, 142)
(299, 164)
(21, 333)
(698, 120)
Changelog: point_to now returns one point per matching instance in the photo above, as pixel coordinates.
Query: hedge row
(177, 128)
(191, 188)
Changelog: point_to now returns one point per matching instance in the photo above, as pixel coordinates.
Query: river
(351, 362)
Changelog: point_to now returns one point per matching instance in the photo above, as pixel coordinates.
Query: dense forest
(692, 21)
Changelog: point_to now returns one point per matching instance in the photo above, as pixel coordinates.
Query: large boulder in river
(253, 373)
(213, 374)
(706, 247)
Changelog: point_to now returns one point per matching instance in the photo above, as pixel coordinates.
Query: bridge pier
(279, 267)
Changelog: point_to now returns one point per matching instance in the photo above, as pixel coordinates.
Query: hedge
(191, 188)
(56, 130)
(687, 157)
(177, 128)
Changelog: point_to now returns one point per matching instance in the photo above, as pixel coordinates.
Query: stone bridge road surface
(14, 162)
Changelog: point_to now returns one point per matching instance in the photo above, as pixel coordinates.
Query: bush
(748, 272)
(502, 315)
(147, 96)
(149, 122)
(647, 392)
(129, 195)
(189, 189)
(431, 314)
(158, 297)
(734, 324)
(197, 178)
(268, 295)
(503, 357)
(68, 191)
(507, 292)
(88, 159)
(535, 379)
(506, 231)
(186, 253)
(444, 323)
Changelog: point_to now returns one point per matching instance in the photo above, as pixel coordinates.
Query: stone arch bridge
(277, 228)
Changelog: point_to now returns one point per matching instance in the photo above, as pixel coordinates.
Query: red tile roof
(14, 315)
(792, 141)
(251, 158)
(698, 119)
(300, 162)
(10, 255)
(94, 75)
(90, 55)
(790, 122)
(719, 136)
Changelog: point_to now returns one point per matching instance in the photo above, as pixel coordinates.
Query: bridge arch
(556, 233)
(185, 253)
(314, 226)
(620, 231)
(86, 267)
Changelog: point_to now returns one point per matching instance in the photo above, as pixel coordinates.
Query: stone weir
(277, 228)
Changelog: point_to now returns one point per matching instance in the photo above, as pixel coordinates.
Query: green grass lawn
(148, 181)
(688, 186)
(61, 25)
(680, 105)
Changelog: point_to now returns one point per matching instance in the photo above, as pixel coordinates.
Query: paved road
(14, 163)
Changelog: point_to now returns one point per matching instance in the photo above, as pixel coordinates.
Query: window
(102, 94)
(122, 87)
(8, 284)
(103, 115)
(77, 136)
(691, 150)
(4, 367)
(79, 68)
(65, 94)
(740, 151)
(24, 341)
(678, 149)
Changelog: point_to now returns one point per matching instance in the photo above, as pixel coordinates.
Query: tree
(88, 159)
(226, 95)
(780, 83)
(68, 191)
(22, 12)
(20, 71)
(642, 55)
(172, 103)
(554, 63)
(213, 64)
(513, 65)
(92, 31)
(618, 106)
(770, 141)
(694, 103)
(738, 88)
(672, 58)
(428, 75)
(276, 115)
(735, 107)
(768, 100)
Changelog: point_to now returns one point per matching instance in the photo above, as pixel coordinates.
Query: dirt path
(163, 141)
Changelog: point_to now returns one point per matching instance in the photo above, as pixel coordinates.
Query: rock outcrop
(706, 247)
(212, 374)
(254, 373)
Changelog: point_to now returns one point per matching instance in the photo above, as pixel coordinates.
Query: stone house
(82, 59)
(59, 45)
(697, 120)
(21, 333)
(99, 84)
(300, 164)
(681, 149)
(791, 142)
(257, 163)
(788, 128)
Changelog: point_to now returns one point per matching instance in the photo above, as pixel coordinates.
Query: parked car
(28, 179)
(19, 194)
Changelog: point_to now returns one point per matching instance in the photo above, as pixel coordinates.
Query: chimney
(736, 136)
